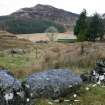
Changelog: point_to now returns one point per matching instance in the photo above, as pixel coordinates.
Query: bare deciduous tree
(51, 32)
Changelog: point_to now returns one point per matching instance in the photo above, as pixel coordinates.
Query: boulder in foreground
(11, 92)
(52, 83)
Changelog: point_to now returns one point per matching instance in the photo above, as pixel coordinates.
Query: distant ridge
(47, 12)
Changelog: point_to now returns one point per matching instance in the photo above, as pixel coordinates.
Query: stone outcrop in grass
(52, 83)
(97, 75)
(11, 92)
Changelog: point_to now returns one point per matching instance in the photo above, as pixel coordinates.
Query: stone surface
(11, 92)
(52, 83)
(97, 75)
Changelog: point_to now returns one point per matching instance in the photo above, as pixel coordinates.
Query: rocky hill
(47, 12)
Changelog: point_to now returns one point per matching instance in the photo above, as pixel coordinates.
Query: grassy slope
(8, 41)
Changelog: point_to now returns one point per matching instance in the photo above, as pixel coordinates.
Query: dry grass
(47, 56)
(44, 36)
(69, 55)
(8, 40)
(54, 55)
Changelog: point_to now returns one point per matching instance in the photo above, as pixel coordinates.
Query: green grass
(57, 55)
(66, 40)
(9, 62)
(52, 55)
(94, 96)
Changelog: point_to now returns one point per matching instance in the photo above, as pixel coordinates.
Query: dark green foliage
(66, 40)
(80, 28)
(89, 28)
(96, 28)
(5, 18)
(19, 26)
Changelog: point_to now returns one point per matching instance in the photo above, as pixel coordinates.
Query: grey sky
(76, 6)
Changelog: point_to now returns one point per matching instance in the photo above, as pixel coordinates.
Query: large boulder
(11, 91)
(52, 83)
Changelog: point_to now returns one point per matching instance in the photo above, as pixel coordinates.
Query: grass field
(40, 57)
(44, 36)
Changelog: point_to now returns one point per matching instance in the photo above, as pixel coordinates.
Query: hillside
(47, 12)
(37, 19)
(10, 41)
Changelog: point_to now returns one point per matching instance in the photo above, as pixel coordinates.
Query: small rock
(66, 100)
(76, 100)
(57, 101)
(50, 103)
(75, 95)
(87, 88)
(94, 85)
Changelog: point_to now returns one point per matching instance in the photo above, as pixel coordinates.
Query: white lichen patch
(101, 77)
(28, 99)
(94, 85)
(74, 95)
(27, 86)
(70, 86)
(56, 101)
(50, 103)
(8, 96)
(76, 100)
(66, 100)
(87, 88)
(21, 94)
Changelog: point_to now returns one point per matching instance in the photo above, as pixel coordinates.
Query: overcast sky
(76, 6)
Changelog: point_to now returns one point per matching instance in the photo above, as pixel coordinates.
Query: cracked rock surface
(52, 83)
(11, 92)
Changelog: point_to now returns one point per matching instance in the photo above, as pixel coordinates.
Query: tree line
(89, 28)
(22, 26)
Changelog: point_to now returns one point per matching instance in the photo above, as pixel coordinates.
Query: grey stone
(86, 77)
(52, 83)
(8, 81)
(97, 75)
(11, 92)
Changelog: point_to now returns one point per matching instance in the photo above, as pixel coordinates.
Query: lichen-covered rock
(97, 75)
(52, 83)
(11, 92)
